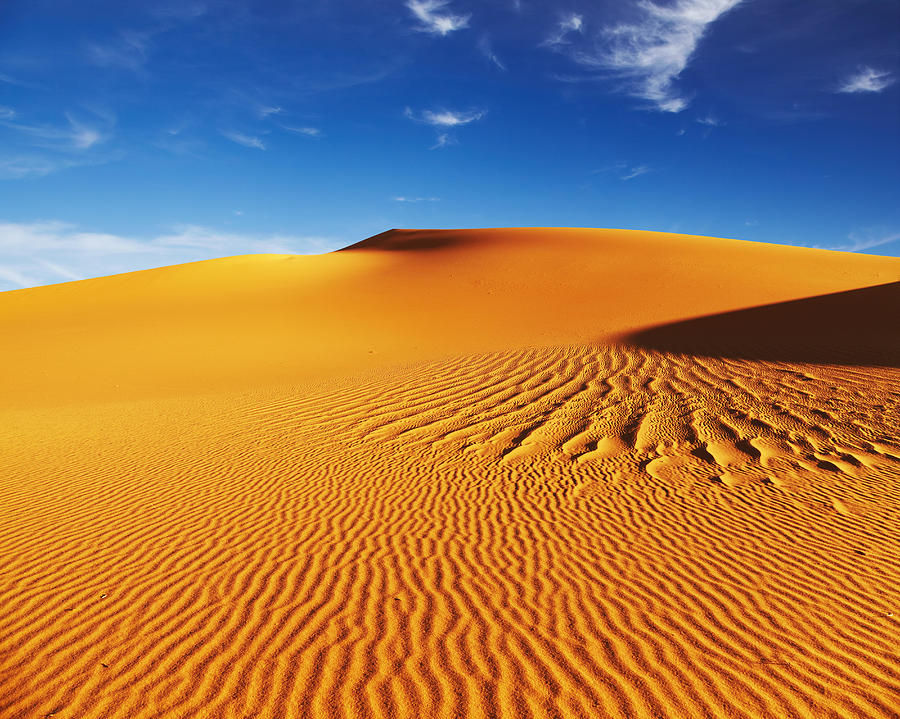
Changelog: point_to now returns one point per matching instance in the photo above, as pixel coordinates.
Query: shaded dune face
(856, 327)
(506, 473)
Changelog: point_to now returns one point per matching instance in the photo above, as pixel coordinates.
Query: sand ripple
(579, 532)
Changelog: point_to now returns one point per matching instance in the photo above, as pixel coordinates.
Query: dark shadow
(857, 327)
(406, 240)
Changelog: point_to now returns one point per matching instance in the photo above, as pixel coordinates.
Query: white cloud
(128, 51)
(78, 136)
(416, 199)
(636, 172)
(867, 80)
(445, 118)
(624, 170)
(17, 168)
(443, 140)
(59, 270)
(7, 113)
(181, 10)
(82, 136)
(710, 120)
(50, 251)
(32, 166)
(14, 279)
(568, 24)
(868, 239)
(484, 45)
(265, 111)
(308, 131)
(245, 140)
(653, 52)
(434, 19)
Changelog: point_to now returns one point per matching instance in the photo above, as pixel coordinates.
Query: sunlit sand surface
(490, 473)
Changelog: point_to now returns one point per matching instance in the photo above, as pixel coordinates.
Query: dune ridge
(620, 527)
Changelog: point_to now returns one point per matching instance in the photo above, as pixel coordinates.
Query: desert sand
(480, 473)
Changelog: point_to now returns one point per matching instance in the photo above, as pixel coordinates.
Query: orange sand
(487, 473)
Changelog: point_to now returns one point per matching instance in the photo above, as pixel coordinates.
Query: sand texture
(485, 473)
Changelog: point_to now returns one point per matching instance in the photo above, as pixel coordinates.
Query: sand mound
(505, 473)
(399, 297)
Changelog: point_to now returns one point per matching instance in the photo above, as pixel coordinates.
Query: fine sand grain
(489, 473)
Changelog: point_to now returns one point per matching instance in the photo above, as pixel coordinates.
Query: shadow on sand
(857, 327)
(405, 240)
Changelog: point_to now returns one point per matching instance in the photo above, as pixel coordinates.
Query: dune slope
(505, 473)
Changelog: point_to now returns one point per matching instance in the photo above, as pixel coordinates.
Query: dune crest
(401, 296)
(485, 473)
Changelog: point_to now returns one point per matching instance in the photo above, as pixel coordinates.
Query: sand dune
(492, 473)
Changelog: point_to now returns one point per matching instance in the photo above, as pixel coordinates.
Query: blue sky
(135, 135)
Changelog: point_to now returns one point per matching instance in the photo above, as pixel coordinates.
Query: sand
(481, 473)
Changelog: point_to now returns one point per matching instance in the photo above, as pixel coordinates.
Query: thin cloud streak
(868, 239)
(78, 136)
(444, 140)
(636, 172)
(623, 170)
(129, 52)
(308, 131)
(245, 140)
(486, 49)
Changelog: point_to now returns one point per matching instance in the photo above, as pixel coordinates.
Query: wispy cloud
(266, 110)
(710, 121)
(861, 240)
(443, 121)
(568, 24)
(636, 172)
(486, 49)
(13, 278)
(416, 199)
(435, 18)
(83, 136)
(308, 131)
(75, 136)
(443, 139)
(58, 270)
(623, 170)
(182, 11)
(17, 168)
(128, 51)
(445, 118)
(867, 79)
(31, 166)
(652, 52)
(245, 140)
(7, 113)
(50, 251)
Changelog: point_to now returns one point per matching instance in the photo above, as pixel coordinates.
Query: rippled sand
(404, 480)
